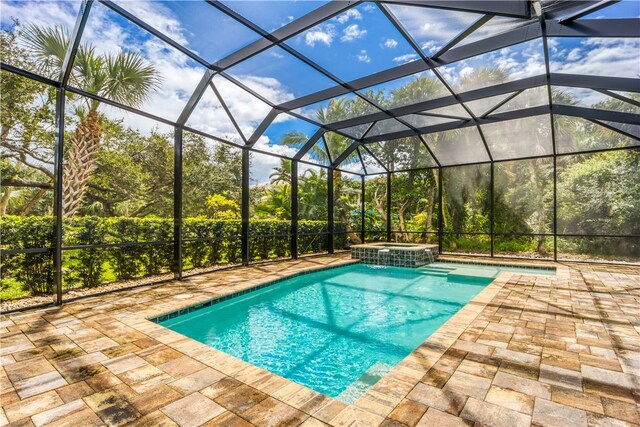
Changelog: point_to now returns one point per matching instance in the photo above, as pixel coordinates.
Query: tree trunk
(6, 195)
(31, 203)
(342, 215)
(401, 210)
(432, 203)
(81, 163)
(533, 179)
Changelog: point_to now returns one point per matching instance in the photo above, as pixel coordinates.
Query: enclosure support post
(294, 209)
(491, 207)
(57, 192)
(555, 209)
(440, 210)
(362, 208)
(245, 207)
(388, 206)
(177, 203)
(330, 208)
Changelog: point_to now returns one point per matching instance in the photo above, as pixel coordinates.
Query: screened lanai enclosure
(151, 140)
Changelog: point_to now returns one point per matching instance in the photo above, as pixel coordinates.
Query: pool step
(362, 384)
(436, 270)
(465, 273)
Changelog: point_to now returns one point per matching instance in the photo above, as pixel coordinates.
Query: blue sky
(351, 45)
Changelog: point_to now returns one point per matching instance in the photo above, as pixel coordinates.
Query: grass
(11, 289)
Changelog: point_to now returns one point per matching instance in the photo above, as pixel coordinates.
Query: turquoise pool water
(336, 331)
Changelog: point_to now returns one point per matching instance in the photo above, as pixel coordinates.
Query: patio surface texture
(544, 350)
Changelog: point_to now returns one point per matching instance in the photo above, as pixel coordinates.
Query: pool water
(336, 331)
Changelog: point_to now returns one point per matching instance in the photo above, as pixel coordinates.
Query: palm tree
(281, 174)
(124, 77)
(336, 110)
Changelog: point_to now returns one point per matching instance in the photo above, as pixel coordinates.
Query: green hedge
(207, 243)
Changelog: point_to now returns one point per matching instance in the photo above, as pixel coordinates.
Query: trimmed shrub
(135, 247)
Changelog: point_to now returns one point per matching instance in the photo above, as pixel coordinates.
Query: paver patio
(543, 350)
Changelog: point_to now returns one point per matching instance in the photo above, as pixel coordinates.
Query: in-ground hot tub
(395, 254)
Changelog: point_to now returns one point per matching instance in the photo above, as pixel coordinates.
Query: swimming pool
(336, 331)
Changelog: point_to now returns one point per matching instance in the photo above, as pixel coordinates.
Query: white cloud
(600, 56)
(179, 74)
(390, 43)
(349, 14)
(324, 34)
(403, 59)
(432, 25)
(466, 71)
(363, 57)
(62, 13)
(431, 46)
(158, 16)
(246, 109)
(369, 8)
(352, 32)
(262, 165)
(210, 117)
(574, 55)
(552, 44)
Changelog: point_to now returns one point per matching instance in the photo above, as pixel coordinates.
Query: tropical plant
(124, 77)
(221, 207)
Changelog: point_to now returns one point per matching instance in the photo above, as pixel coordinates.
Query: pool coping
(375, 403)
(216, 300)
(532, 266)
(198, 306)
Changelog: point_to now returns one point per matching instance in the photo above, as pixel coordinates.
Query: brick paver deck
(544, 350)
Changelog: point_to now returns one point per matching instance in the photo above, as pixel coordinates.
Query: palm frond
(130, 80)
(48, 45)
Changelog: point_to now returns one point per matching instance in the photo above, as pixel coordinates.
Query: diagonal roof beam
(382, 165)
(140, 23)
(364, 168)
(195, 97)
(258, 46)
(626, 84)
(310, 143)
(439, 76)
(74, 42)
(593, 114)
(611, 28)
(572, 80)
(252, 26)
(266, 122)
(424, 143)
(586, 10)
(346, 153)
(326, 148)
(501, 103)
(28, 74)
(517, 8)
(443, 102)
(567, 110)
(510, 38)
(226, 110)
(556, 9)
(615, 129)
(620, 97)
(463, 35)
(286, 32)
